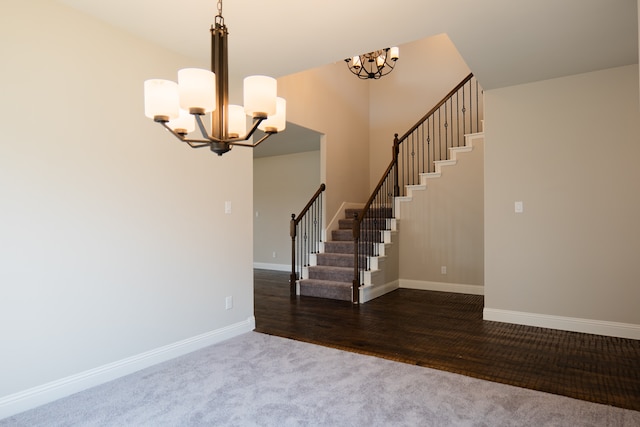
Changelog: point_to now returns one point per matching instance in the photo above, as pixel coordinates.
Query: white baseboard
(45, 393)
(458, 288)
(276, 267)
(369, 292)
(574, 324)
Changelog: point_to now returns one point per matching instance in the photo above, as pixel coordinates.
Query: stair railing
(443, 127)
(370, 224)
(429, 140)
(306, 237)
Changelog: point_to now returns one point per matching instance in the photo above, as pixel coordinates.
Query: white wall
(282, 185)
(114, 237)
(568, 148)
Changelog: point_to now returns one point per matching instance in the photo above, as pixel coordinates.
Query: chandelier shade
(237, 121)
(374, 65)
(260, 94)
(197, 90)
(184, 124)
(277, 122)
(161, 99)
(180, 107)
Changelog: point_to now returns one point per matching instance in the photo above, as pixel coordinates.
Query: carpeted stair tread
(335, 259)
(342, 235)
(338, 247)
(332, 276)
(347, 235)
(345, 224)
(349, 213)
(377, 212)
(326, 289)
(331, 273)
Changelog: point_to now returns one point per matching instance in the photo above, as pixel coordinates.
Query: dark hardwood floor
(446, 331)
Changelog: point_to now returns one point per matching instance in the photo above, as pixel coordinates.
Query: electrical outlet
(443, 269)
(518, 207)
(274, 255)
(228, 303)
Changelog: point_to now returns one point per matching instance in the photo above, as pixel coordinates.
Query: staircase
(332, 271)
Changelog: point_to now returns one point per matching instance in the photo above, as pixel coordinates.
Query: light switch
(519, 207)
(227, 207)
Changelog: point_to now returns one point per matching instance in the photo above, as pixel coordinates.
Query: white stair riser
(424, 177)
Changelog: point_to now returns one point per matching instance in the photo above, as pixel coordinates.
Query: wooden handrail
(306, 208)
(434, 109)
(386, 173)
(367, 205)
(293, 227)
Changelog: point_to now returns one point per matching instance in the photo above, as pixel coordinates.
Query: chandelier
(374, 65)
(180, 106)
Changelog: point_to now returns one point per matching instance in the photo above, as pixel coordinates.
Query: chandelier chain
(219, 20)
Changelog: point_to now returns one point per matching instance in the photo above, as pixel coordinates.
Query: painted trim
(573, 324)
(369, 292)
(45, 393)
(458, 288)
(276, 267)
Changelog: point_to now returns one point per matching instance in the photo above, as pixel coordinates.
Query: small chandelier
(179, 106)
(374, 65)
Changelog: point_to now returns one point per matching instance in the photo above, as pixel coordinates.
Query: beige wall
(426, 71)
(330, 100)
(443, 226)
(568, 148)
(114, 240)
(282, 185)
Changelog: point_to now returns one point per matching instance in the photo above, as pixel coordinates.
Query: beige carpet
(261, 380)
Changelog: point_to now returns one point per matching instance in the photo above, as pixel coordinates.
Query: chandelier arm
(232, 141)
(267, 135)
(254, 127)
(238, 140)
(203, 129)
(193, 143)
(255, 144)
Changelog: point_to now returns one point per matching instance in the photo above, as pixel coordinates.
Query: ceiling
(504, 42)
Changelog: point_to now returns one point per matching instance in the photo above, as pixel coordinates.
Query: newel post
(293, 278)
(355, 298)
(396, 153)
